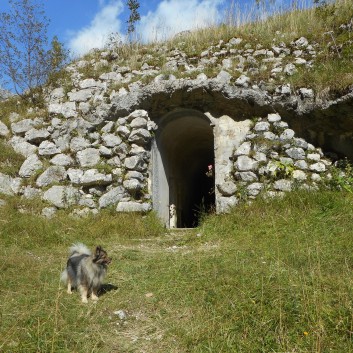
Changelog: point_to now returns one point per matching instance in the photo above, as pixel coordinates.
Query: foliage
(342, 176)
(133, 6)
(25, 61)
(283, 170)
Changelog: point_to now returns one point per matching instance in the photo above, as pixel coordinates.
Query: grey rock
(299, 142)
(21, 146)
(62, 160)
(132, 206)
(105, 151)
(299, 175)
(30, 192)
(5, 184)
(246, 176)
(51, 175)
(80, 96)
(30, 166)
(75, 175)
(140, 137)
(306, 93)
(283, 185)
(254, 189)
(112, 197)
(111, 140)
(242, 81)
(138, 123)
(287, 134)
(79, 143)
(67, 109)
(272, 118)
(227, 188)
(132, 174)
(243, 149)
(93, 177)
(123, 131)
(301, 42)
(314, 157)
(47, 148)
(4, 131)
(244, 164)
(290, 69)
(133, 185)
(49, 212)
(318, 167)
(36, 136)
(92, 83)
(115, 161)
(88, 157)
(262, 126)
(62, 196)
(295, 153)
(225, 204)
(135, 163)
(21, 127)
(268, 135)
(301, 164)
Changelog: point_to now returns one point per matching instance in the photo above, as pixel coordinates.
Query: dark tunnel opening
(186, 147)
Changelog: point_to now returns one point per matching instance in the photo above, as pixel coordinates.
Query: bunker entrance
(185, 148)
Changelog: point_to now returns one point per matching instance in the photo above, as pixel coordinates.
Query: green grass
(270, 277)
(10, 161)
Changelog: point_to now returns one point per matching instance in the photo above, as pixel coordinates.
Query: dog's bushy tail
(75, 249)
(79, 249)
(63, 276)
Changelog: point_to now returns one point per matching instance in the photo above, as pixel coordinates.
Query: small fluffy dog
(85, 271)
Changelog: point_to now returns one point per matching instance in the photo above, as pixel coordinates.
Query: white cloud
(95, 35)
(173, 16)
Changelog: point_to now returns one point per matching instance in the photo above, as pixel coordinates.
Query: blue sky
(86, 24)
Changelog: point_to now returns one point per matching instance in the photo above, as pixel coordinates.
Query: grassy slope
(271, 276)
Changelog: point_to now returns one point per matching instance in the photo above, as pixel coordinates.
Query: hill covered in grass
(270, 276)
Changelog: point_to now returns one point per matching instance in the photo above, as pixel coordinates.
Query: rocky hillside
(89, 144)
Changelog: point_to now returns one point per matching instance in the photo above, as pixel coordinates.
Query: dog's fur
(85, 271)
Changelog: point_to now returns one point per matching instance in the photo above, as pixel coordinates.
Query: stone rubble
(94, 151)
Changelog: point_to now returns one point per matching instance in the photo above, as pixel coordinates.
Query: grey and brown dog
(85, 271)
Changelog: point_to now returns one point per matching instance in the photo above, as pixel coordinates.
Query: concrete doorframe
(182, 149)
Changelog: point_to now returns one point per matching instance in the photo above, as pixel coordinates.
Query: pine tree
(25, 60)
(133, 6)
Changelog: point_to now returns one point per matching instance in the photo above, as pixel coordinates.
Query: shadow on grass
(105, 288)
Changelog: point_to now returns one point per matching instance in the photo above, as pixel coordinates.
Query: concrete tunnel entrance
(182, 151)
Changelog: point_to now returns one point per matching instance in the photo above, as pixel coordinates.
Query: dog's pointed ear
(98, 249)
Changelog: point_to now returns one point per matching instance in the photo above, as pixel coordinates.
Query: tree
(25, 60)
(133, 6)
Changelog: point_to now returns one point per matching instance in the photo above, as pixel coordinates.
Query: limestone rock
(21, 146)
(51, 175)
(47, 148)
(4, 131)
(21, 127)
(245, 163)
(132, 206)
(36, 136)
(112, 197)
(30, 166)
(5, 184)
(88, 157)
(227, 188)
(62, 160)
(62, 196)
